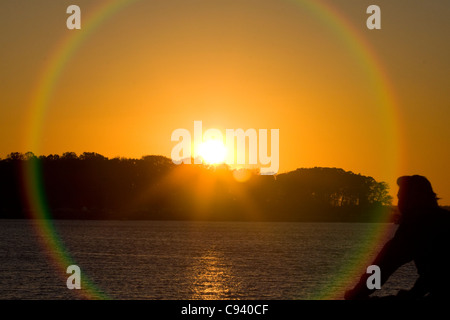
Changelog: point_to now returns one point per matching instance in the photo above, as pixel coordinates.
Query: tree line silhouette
(91, 186)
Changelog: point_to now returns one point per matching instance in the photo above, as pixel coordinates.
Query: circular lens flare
(242, 175)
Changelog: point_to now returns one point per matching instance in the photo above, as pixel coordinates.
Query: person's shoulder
(444, 212)
(445, 209)
(441, 218)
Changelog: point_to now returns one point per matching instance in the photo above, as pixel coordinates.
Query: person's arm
(418, 291)
(395, 253)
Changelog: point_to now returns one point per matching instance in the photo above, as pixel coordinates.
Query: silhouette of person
(423, 237)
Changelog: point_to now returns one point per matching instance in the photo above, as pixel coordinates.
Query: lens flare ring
(336, 22)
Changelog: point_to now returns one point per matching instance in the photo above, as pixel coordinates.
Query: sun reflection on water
(213, 277)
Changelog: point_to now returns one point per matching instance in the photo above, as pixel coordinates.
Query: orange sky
(156, 66)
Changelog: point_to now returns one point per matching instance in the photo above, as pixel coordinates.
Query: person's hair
(417, 189)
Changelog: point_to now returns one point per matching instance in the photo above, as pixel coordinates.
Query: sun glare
(213, 151)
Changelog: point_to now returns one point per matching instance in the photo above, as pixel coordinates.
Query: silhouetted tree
(91, 186)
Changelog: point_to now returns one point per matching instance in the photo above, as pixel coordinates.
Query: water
(189, 260)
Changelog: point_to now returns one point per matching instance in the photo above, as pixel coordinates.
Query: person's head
(415, 193)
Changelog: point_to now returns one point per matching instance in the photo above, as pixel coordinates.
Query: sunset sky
(374, 102)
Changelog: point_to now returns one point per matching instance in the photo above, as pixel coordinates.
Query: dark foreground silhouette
(91, 186)
(423, 237)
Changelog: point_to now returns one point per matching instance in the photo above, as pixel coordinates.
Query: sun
(212, 151)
